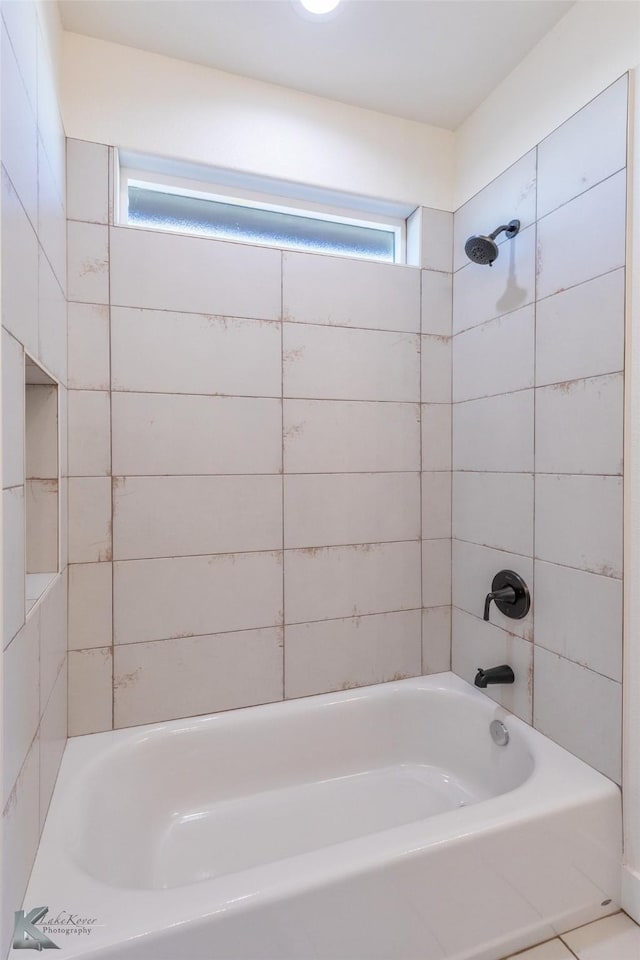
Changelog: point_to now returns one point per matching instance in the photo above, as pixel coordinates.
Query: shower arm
(499, 230)
(511, 229)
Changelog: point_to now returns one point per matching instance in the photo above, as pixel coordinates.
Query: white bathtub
(375, 824)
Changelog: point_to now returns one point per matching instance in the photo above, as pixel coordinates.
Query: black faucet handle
(511, 595)
(505, 595)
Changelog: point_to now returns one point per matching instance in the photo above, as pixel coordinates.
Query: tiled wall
(33, 320)
(245, 456)
(538, 356)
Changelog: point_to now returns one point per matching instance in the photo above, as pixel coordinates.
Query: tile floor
(612, 938)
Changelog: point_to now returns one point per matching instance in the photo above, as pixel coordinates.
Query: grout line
(273, 397)
(416, 332)
(289, 473)
(421, 484)
(268, 551)
(535, 431)
(538, 473)
(540, 386)
(282, 452)
(110, 200)
(557, 563)
(267, 626)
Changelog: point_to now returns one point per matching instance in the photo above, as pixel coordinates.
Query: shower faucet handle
(511, 595)
(505, 595)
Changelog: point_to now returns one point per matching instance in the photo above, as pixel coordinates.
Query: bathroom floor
(612, 938)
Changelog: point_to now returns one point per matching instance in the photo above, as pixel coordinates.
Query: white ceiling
(428, 60)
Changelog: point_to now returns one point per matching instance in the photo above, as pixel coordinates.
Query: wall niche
(42, 481)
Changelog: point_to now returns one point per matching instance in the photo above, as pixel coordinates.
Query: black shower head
(484, 250)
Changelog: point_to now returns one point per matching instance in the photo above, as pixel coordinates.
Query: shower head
(484, 250)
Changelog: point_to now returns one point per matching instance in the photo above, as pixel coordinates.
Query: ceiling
(429, 60)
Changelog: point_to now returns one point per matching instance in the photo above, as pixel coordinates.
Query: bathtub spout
(501, 674)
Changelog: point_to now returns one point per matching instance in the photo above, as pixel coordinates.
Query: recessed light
(319, 7)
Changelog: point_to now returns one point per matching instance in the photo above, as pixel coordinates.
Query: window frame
(245, 197)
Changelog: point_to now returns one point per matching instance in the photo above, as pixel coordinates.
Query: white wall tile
(13, 539)
(19, 270)
(580, 332)
(41, 445)
(436, 505)
(437, 303)
(20, 833)
(50, 125)
(88, 353)
(473, 569)
(53, 737)
(90, 691)
(350, 293)
(482, 293)
(196, 596)
(330, 582)
(567, 699)
(579, 522)
(351, 652)
(579, 426)
(511, 196)
(63, 533)
(42, 511)
(332, 509)
(171, 434)
(53, 636)
(89, 433)
(584, 238)
(185, 516)
(89, 519)
(164, 271)
(63, 431)
(586, 149)
(436, 369)
(196, 675)
(436, 572)
(52, 222)
(90, 605)
(87, 181)
(332, 436)
(494, 509)
(52, 320)
(21, 24)
(337, 364)
(164, 352)
(579, 616)
(436, 436)
(436, 241)
(497, 357)
(478, 644)
(550, 950)
(495, 433)
(610, 938)
(12, 411)
(21, 700)
(88, 262)
(436, 640)
(19, 132)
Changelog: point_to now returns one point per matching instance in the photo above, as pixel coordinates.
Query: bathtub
(381, 823)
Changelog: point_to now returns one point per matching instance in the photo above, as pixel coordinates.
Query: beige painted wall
(593, 45)
(157, 105)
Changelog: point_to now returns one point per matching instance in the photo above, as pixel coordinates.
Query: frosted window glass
(229, 221)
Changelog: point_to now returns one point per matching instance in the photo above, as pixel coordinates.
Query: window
(232, 212)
